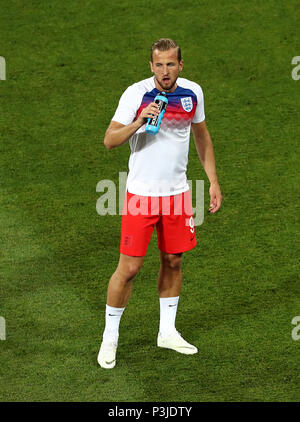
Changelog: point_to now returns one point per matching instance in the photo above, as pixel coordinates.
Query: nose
(165, 69)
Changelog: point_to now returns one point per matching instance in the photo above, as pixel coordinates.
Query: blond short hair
(164, 44)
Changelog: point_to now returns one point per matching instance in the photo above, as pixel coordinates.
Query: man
(157, 171)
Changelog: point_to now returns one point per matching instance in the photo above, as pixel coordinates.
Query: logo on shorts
(187, 104)
(128, 240)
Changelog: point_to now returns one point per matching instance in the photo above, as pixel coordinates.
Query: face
(166, 68)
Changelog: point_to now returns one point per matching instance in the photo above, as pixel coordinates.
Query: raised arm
(117, 134)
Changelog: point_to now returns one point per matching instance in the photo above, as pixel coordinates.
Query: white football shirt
(158, 163)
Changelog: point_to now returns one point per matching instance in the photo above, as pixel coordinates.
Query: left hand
(215, 197)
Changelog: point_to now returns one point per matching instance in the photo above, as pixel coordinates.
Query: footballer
(157, 183)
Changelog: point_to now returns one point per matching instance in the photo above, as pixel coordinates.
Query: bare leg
(120, 284)
(118, 293)
(170, 276)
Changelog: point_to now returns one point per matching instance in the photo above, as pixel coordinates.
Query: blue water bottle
(153, 124)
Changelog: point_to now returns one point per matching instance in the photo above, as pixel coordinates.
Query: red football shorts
(171, 215)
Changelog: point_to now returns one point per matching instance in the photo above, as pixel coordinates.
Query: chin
(168, 87)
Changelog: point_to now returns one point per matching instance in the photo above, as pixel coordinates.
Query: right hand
(151, 110)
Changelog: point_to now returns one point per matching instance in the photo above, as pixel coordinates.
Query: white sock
(168, 310)
(112, 322)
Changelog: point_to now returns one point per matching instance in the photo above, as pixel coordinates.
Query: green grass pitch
(67, 64)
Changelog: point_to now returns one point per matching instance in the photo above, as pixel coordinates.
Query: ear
(151, 66)
(181, 63)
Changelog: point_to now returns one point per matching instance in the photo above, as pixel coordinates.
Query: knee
(171, 261)
(132, 270)
(129, 270)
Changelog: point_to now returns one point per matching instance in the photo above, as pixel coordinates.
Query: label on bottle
(162, 106)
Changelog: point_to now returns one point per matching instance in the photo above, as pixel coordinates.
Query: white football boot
(107, 355)
(175, 342)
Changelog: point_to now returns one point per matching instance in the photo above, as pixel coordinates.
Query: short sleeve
(128, 106)
(199, 115)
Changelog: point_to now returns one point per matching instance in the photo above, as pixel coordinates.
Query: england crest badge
(187, 104)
